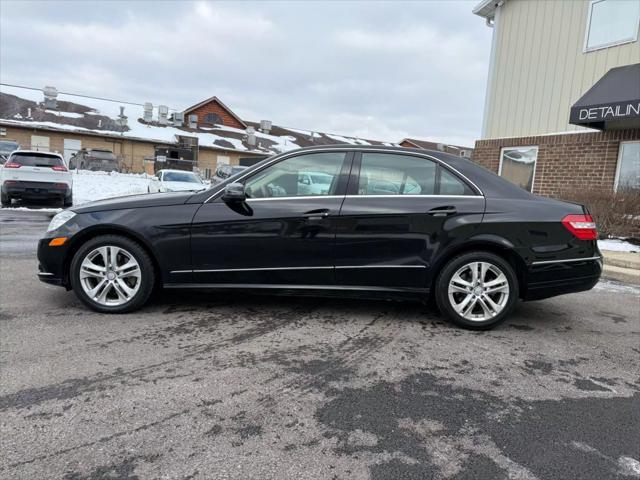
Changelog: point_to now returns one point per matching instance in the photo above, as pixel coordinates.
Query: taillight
(59, 168)
(10, 182)
(581, 226)
(12, 165)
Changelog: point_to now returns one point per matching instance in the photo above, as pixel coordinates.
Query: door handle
(442, 211)
(316, 214)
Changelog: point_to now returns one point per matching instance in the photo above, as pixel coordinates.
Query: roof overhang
(612, 102)
(487, 8)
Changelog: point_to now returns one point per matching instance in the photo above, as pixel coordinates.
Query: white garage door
(70, 147)
(39, 143)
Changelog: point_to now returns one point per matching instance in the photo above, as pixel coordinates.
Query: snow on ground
(89, 186)
(615, 245)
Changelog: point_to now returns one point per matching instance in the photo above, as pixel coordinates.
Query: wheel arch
(488, 243)
(81, 238)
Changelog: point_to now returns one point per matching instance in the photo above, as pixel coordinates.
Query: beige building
(563, 93)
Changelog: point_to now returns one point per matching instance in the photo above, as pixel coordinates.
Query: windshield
(8, 147)
(102, 154)
(36, 160)
(181, 177)
(321, 179)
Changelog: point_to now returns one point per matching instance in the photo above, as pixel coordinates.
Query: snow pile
(89, 186)
(615, 245)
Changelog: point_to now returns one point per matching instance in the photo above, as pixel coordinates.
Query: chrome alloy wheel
(110, 275)
(478, 291)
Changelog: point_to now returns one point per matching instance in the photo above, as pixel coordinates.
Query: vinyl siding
(540, 67)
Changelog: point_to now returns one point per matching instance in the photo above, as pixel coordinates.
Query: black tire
(452, 266)
(68, 201)
(5, 200)
(148, 274)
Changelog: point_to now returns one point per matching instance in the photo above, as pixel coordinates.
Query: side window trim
(354, 179)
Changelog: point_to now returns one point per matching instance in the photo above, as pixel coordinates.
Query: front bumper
(22, 189)
(549, 279)
(51, 267)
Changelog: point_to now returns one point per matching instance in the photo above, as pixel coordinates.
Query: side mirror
(234, 192)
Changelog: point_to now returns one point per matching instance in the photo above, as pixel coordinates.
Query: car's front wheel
(111, 273)
(477, 290)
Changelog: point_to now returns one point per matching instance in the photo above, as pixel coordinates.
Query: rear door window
(393, 174)
(36, 160)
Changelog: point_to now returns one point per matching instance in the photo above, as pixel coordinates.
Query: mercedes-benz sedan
(393, 222)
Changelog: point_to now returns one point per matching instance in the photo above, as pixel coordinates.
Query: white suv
(34, 175)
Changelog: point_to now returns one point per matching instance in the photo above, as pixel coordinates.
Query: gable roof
(219, 102)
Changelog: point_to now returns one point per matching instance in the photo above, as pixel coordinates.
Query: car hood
(134, 201)
(182, 186)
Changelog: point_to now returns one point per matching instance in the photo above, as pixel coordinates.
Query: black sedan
(392, 222)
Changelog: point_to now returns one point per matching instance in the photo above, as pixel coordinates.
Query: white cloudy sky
(380, 70)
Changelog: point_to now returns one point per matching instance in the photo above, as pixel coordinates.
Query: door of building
(39, 143)
(71, 146)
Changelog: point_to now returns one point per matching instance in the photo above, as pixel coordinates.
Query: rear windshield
(35, 160)
(102, 154)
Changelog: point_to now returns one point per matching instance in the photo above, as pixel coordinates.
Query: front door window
(314, 174)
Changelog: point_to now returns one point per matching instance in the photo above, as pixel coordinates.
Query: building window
(611, 22)
(628, 173)
(518, 165)
(213, 119)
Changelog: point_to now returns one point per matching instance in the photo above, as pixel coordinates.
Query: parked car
(314, 183)
(175, 181)
(451, 231)
(94, 159)
(6, 147)
(224, 172)
(36, 175)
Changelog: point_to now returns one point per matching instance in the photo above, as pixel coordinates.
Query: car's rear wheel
(111, 273)
(477, 290)
(68, 201)
(5, 200)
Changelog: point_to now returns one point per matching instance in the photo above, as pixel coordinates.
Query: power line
(80, 95)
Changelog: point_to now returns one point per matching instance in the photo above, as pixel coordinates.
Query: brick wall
(214, 107)
(580, 160)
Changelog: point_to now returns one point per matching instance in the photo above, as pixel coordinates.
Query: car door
(400, 211)
(280, 235)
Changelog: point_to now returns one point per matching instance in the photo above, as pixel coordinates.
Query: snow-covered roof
(24, 107)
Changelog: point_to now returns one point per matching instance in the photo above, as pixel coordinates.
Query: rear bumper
(548, 279)
(21, 189)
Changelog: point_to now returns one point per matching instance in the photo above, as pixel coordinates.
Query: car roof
(39, 152)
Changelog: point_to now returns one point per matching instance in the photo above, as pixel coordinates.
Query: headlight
(60, 219)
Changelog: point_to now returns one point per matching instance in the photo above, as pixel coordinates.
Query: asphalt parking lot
(209, 386)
